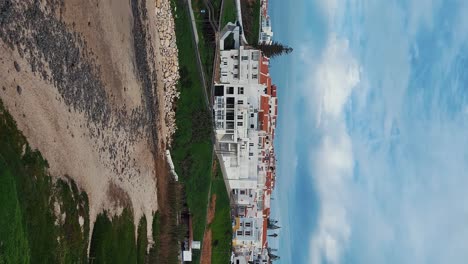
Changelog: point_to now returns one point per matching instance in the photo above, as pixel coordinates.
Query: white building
(244, 112)
(266, 33)
(236, 120)
(240, 66)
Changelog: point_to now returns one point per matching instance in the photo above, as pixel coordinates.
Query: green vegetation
(154, 251)
(29, 230)
(251, 20)
(221, 225)
(114, 242)
(74, 204)
(191, 151)
(274, 49)
(229, 12)
(206, 37)
(14, 246)
(192, 148)
(142, 242)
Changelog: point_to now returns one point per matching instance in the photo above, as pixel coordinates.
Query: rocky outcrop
(169, 64)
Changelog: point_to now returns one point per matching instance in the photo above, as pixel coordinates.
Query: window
(240, 102)
(230, 125)
(236, 76)
(252, 115)
(236, 66)
(242, 192)
(250, 154)
(251, 144)
(240, 90)
(251, 126)
(248, 224)
(247, 233)
(220, 114)
(239, 123)
(239, 117)
(255, 56)
(239, 232)
(230, 90)
(219, 90)
(230, 102)
(254, 76)
(225, 63)
(230, 115)
(244, 58)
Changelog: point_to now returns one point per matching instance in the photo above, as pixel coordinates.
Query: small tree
(274, 49)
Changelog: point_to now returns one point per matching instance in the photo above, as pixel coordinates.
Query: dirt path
(206, 251)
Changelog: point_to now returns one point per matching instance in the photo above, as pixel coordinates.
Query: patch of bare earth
(206, 251)
(83, 81)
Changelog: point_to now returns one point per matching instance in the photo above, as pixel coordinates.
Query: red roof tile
(264, 233)
(273, 90)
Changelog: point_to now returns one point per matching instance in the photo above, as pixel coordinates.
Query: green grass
(142, 242)
(206, 39)
(229, 12)
(252, 38)
(154, 251)
(72, 235)
(192, 147)
(27, 223)
(114, 242)
(221, 225)
(14, 246)
(251, 20)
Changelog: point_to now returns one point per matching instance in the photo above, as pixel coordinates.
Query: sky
(372, 139)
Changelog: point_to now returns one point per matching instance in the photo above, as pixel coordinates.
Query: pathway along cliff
(84, 82)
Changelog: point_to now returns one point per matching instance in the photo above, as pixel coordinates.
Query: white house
(240, 66)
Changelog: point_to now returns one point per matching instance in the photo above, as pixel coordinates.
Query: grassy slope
(114, 242)
(154, 251)
(14, 242)
(192, 145)
(251, 20)
(28, 193)
(255, 30)
(142, 241)
(229, 12)
(206, 43)
(221, 225)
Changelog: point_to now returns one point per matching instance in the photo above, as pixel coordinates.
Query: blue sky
(373, 131)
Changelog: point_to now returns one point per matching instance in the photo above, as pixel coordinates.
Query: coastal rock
(169, 63)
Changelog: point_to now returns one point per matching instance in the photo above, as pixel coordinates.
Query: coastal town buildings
(266, 33)
(245, 112)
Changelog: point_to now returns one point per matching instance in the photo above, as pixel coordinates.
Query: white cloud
(389, 151)
(329, 7)
(329, 88)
